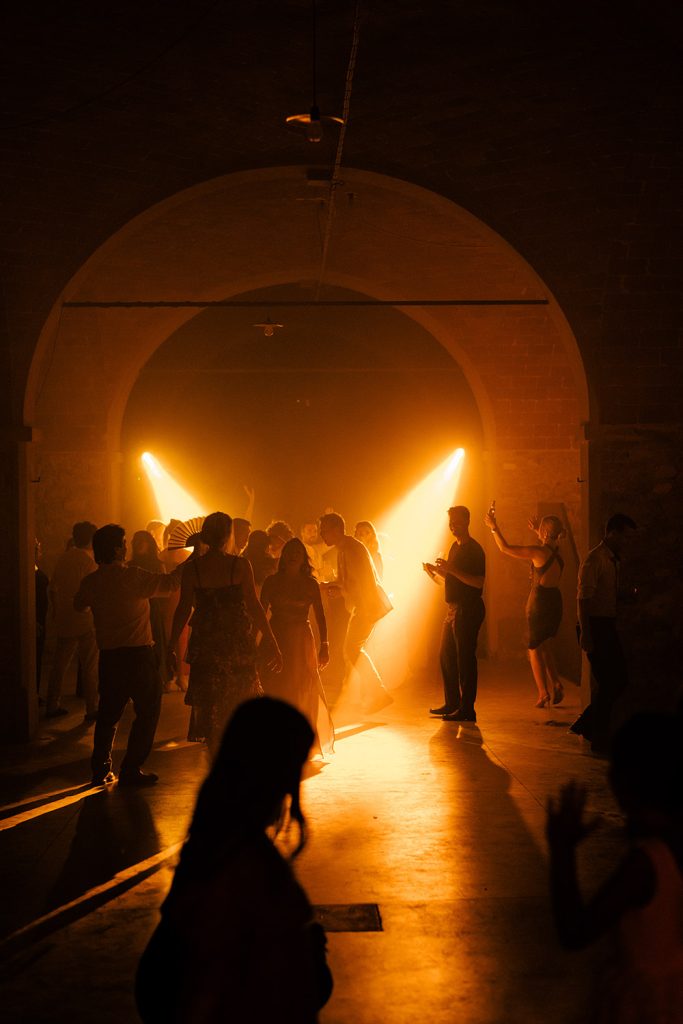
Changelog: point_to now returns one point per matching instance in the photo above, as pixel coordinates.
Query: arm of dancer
(431, 571)
(580, 922)
(319, 612)
(266, 592)
(251, 497)
(473, 560)
(526, 553)
(180, 617)
(257, 614)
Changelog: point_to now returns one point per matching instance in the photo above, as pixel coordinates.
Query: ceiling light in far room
(268, 327)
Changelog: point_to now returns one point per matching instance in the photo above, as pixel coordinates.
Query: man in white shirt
(75, 630)
(597, 596)
(365, 600)
(118, 595)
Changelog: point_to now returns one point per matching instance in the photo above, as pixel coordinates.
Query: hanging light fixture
(312, 122)
(268, 326)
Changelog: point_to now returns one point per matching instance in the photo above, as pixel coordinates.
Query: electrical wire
(334, 182)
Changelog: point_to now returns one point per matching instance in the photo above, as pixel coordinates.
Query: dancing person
(237, 940)
(279, 533)
(172, 558)
(367, 603)
(75, 629)
(222, 648)
(145, 554)
(118, 595)
(463, 577)
(544, 604)
(642, 901)
(257, 554)
(314, 546)
(158, 530)
(241, 528)
(290, 594)
(597, 596)
(366, 533)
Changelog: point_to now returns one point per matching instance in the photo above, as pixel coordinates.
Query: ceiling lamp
(313, 122)
(268, 327)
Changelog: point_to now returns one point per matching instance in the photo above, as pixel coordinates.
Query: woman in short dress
(544, 604)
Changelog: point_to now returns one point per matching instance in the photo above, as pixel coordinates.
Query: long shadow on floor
(499, 925)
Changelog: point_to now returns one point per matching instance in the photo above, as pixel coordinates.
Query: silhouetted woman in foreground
(237, 941)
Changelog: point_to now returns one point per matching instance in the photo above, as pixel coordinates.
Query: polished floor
(440, 825)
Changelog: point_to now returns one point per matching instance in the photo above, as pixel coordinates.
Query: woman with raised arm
(544, 604)
(222, 650)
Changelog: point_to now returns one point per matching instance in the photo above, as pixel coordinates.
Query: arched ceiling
(389, 240)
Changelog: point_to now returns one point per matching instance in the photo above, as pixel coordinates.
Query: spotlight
(173, 501)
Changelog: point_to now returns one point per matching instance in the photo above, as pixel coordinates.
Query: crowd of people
(220, 611)
(197, 596)
(237, 936)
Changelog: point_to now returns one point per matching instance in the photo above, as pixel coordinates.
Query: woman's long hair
(145, 552)
(367, 525)
(296, 545)
(263, 750)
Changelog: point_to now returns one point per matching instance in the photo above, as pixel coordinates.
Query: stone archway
(391, 241)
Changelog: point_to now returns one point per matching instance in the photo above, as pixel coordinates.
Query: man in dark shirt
(463, 575)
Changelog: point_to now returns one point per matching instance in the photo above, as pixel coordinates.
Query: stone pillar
(18, 696)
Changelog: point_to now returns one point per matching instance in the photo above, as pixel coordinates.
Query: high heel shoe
(543, 702)
(558, 694)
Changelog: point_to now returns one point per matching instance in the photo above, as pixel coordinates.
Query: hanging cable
(334, 182)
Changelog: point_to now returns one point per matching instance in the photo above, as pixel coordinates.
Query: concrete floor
(440, 825)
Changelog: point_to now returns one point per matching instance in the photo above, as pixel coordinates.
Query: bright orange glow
(173, 501)
(411, 533)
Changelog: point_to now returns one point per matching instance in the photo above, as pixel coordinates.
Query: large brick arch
(390, 240)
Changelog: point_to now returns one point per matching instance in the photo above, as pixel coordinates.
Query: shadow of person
(115, 830)
(496, 922)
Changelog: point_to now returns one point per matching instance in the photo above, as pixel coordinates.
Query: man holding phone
(463, 575)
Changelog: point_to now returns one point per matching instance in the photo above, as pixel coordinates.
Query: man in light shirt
(597, 596)
(118, 595)
(365, 600)
(75, 630)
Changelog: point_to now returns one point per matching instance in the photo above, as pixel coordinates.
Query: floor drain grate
(349, 917)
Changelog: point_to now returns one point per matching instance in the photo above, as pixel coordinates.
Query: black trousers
(608, 676)
(458, 654)
(126, 673)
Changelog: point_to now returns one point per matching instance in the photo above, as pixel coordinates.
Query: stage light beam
(173, 501)
(413, 531)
